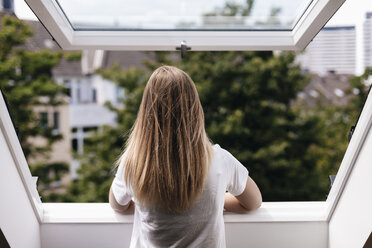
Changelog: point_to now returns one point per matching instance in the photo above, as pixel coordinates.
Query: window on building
(8, 5)
(119, 93)
(67, 84)
(74, 145)
(44, 120)
(94, 95)
(78, 94)
(56, 124)
(90, 129)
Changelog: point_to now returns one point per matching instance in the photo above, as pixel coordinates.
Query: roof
(126, 59)
(330, 89)
(43, 40)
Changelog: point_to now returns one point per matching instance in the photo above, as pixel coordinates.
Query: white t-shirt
(200, 226)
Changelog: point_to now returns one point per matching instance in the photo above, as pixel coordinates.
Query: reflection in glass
(183, 14)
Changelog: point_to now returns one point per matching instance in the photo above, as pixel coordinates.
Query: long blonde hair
(167, 155)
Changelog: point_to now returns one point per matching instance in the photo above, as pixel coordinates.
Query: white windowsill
(102, 213)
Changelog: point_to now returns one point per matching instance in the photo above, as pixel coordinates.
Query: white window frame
(315, 17)
(311, 22)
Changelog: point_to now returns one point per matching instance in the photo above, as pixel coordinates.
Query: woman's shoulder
(216, 146)
(219, 151)
(222, 156)
(219, 154)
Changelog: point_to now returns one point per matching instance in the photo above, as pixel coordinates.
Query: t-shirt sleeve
(119, 188)
(236, 173)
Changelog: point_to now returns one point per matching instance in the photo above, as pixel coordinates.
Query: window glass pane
(89, 129)
(184, 15)
(78, 94)
(56, 121)
(94, 95)
(44, 120)
(75, 145)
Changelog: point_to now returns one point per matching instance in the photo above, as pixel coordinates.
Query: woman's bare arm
(249, 200)
(124, 209)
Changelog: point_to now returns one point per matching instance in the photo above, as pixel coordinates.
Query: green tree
(249, 110)
(26, 81)
(334, 124)
(233, 9)
(247, 103)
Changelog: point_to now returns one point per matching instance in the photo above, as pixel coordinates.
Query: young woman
(174, 176)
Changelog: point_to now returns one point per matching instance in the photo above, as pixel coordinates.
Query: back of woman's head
(168, 153)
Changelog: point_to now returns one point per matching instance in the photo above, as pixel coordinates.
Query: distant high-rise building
(367, 40)
(333, 49)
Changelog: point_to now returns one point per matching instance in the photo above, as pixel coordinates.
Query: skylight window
(202, 25)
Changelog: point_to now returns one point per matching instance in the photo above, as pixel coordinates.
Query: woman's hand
(249, 200)
(123, 209)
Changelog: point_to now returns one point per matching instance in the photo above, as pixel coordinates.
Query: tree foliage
(250, 110)
(249, 104)
(26, 81)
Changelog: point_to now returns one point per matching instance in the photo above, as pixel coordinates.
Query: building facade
(88, 93)
(332, 50)
(367, 40)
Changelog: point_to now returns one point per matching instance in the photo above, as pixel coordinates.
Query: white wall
(277, 234)
(106, 90)
(256, 235)
(88, 115)
(90, 235)
(17, 218)
(351, 223)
